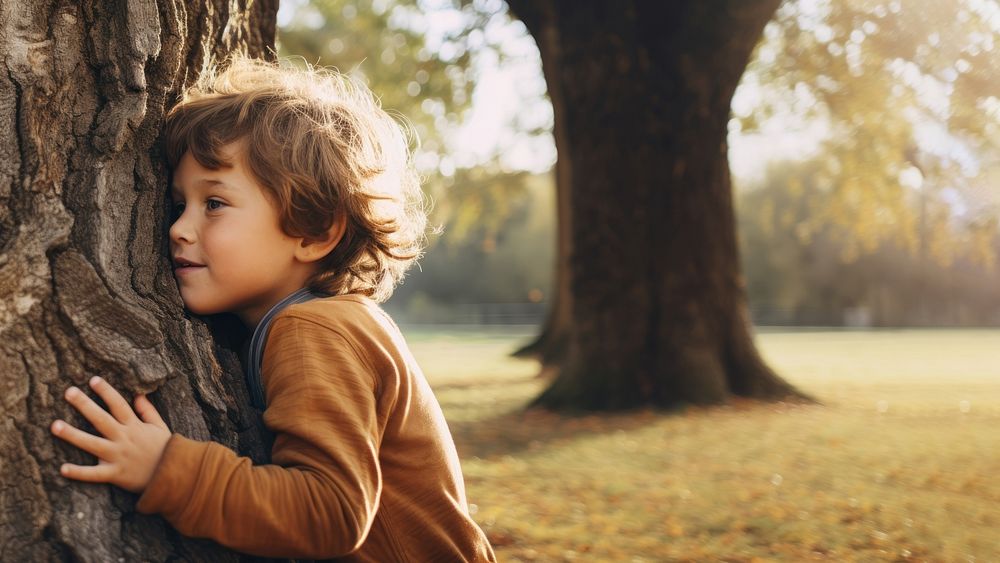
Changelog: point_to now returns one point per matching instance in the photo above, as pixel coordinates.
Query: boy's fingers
(85, 441)
(117, 404)
(148, 412)
(102, 421)
(102, 473)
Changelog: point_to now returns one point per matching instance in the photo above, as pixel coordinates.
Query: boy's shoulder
(349, 315)
(353, 319)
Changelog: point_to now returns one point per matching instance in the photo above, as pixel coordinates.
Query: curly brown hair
(320, 145)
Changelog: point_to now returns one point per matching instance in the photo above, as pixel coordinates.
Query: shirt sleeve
(318, 497)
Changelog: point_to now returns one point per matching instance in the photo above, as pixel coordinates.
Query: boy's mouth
(182, 264)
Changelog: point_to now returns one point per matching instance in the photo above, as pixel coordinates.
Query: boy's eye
(214, 204)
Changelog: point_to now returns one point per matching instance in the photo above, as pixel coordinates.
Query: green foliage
(482, 201)
(385, 44)
(800, 271)
(490, 262)
(910, 94)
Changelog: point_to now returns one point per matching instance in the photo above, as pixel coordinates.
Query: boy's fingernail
(71, 392)
(57, 426)
(95, 380)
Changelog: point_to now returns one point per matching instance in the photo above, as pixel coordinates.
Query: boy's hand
(131, 448)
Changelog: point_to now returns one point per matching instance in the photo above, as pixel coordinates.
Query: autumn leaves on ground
(898, 464)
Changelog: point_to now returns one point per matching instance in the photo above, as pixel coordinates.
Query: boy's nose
(181, 231)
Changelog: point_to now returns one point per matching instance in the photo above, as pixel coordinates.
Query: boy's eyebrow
(174, 189)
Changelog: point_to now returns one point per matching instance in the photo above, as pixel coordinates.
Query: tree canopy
(907, 93)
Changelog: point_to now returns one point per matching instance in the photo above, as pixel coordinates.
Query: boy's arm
(319, 496)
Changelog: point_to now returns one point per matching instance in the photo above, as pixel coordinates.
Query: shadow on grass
(520, 430)
(491, 418)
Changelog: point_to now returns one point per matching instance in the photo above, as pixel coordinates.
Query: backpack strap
(255, 355)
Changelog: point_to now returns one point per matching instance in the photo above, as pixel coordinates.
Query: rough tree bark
(643, 89)
(85, 277)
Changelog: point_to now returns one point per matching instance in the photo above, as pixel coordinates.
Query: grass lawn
(901, 462)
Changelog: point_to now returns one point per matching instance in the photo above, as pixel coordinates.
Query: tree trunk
(659, 312)
(84, 269)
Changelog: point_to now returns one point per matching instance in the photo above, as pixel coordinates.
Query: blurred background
(866, 184)
(864, 144)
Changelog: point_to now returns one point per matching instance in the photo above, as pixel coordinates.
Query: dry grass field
(899, 463)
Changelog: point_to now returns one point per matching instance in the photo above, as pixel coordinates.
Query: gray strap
(259, 338)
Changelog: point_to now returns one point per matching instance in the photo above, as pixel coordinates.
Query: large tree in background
(642, 92)
(84, 271)
(906, 94)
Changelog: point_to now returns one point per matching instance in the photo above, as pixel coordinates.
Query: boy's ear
(311, 250)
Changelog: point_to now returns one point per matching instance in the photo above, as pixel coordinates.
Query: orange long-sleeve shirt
(363, 465)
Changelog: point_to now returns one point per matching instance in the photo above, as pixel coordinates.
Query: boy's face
(225, 223)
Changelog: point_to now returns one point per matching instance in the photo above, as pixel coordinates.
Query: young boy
(288, 185)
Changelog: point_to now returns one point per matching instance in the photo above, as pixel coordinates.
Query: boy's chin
(202, 309)
(216, 313)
